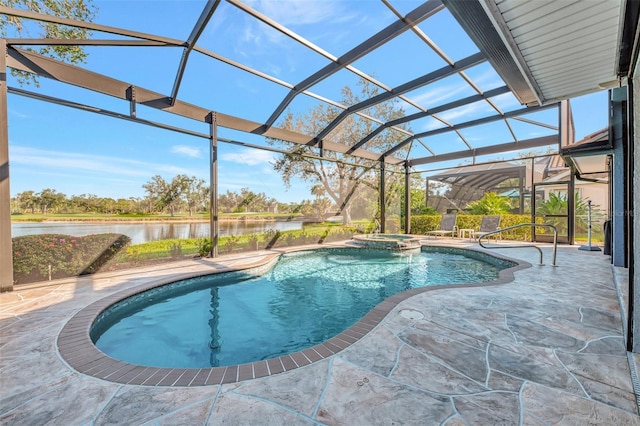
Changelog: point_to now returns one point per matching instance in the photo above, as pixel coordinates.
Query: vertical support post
(618, 122)
(629, 173)
(567, 132)
(589, 223)
(521, 179)
(533, 198)
(213, 183)
(407, 199)
(6, 251)
(571, 207)
(633, 314)
(131, 96)
(426, 193)
(383, 200)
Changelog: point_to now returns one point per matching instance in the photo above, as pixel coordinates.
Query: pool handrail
(520, 225)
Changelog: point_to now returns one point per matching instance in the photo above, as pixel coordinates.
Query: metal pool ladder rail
(520, 225)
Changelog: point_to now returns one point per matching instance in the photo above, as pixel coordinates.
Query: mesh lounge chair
(447, 226)
(488, 224)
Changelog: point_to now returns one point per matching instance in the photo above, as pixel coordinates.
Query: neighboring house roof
(559, 177)
(588, 156)
(595, 141)
(556, 164)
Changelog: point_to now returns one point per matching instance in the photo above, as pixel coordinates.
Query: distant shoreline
(165, 220)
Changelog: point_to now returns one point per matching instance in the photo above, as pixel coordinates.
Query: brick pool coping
(77, 349)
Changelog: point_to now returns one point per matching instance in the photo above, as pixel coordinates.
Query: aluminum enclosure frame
(24, 60)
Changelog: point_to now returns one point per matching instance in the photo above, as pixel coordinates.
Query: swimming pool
(306, 298)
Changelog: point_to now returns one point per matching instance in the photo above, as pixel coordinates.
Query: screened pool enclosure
(418, 100)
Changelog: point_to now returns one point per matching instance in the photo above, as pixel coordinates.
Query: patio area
(546, 348)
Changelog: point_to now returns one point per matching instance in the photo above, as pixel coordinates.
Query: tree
(227, 202)
(340, 181)
(182, 190)
(490, 203)
(11, 26)
(49, 199)
(249, 201)
(163, 194)
(174, 193)
(155, 189)
(27, 201)
(321, 204)
(196, 193)
(128, 205)
(418, 203)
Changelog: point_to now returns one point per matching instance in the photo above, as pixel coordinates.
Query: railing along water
(520, 225)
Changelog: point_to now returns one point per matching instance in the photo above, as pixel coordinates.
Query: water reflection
(215, 342)
(142, 232)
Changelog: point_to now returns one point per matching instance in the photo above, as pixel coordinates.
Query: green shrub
(491, 204)
(159, 249)
(426, 223)
(523, 233)
(204, 246)
(230, 242)
(37, 256)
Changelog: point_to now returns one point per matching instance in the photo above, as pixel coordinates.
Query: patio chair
(488, 224)
(447, 226)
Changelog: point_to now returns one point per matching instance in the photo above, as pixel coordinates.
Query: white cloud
(299, 12)
(506, 101)
(257, 37)
(470, 110)
(76, 162)
(186, 151)
(432, 125)
(488, 78)
(17, 114)
(247, 157)
(434, 96)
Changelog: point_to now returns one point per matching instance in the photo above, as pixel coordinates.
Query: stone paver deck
(544, 349)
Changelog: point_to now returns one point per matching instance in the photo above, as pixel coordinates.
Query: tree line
(180, 195)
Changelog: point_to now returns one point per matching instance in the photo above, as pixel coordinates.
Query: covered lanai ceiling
(472, 67)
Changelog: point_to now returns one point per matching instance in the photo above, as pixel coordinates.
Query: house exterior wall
(598, 193)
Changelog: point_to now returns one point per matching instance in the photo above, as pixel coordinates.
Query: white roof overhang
(548, 51)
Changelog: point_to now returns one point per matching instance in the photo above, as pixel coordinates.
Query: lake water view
(143, 232)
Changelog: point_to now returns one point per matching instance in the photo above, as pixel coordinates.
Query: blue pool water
(305, 299)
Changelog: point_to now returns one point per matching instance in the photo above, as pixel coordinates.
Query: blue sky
(77, 152)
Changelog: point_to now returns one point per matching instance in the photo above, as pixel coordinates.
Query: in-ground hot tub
(387, 241)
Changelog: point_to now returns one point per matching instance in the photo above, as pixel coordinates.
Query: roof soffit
(539, 36)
